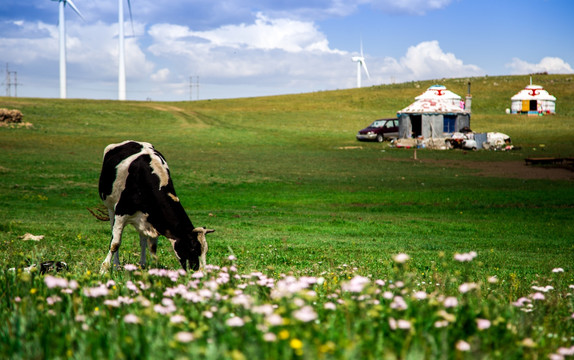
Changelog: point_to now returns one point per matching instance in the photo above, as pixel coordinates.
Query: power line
(11, 81)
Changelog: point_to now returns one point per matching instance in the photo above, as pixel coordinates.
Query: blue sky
(270, 47)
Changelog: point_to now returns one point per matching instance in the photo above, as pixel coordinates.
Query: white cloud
(161, 75)
(263, 34)
(427, 61)
(551, 65)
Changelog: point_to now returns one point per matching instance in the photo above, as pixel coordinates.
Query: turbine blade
(131, 18)
(73, 6)
(365, 68)
(362, 48)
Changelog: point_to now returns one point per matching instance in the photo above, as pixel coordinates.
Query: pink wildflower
(274, 320)
(184, 337)
(557, 270)
(462, 345)
(177, 319)
(420, 295)
(130, 267)
(466, 287)
(465, 257)
(356, 284)
(537, 296)
(235, 321)
(401, 258)
(520, 302)
(450, 302)
(131, 319)
(482, 324)
(330, 306)
(55, 282)
(305, 314)
(404, 324)
(269, 337)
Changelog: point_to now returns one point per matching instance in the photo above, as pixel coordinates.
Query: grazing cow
(136, 187)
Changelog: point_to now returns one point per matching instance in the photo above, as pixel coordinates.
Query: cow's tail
(100, 212)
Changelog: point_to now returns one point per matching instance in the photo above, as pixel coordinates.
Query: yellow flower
(296, 344)
(283, 334)
(33, 291)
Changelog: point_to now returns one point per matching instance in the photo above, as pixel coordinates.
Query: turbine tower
(62, 28)
(360, 60)
(121, 52)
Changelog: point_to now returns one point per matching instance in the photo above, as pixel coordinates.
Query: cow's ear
(207, 231)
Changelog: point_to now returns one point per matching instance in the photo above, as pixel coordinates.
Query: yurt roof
(437, 92)
(430, 106)
(533, 92)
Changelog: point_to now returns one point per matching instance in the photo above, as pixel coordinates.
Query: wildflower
(55, 282)
(399, 303)
(130, 267)
(440, 324)
(177, 319)
(283, 334)
(482, 324)
(493, 279)
(96, 291)
(404, 324)
(537, 296)
(466, 287)
(557, 270)
(465, 257)
(207, 314)
(51, 300)
(329, 306)
(566, 351)
(462, 345)
(269, 337)
(231, 258)
(450, 302)
(392, 323)
(420, 295)
(184, 337)
(235, 321)
(305, 314)
(401, 258)
(356, 285)
(543, 289)
(274, 320)
(520, 302)
(296, 344)
(131, 319)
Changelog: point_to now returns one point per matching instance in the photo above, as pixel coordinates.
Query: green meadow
(308, 225)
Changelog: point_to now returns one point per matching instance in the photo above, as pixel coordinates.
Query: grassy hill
(290, 191)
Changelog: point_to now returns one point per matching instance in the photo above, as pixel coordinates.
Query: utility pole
(191, 86)
(11, 80)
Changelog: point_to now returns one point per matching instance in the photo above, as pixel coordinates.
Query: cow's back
(114, 154)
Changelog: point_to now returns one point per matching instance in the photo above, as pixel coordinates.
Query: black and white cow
(136, 187)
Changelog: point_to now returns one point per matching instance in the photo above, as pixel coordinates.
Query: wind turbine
(62, 27)
(122, 59)
(360, 60)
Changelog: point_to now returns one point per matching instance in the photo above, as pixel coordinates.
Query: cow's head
(191, 251)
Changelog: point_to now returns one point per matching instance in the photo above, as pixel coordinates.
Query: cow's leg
(117, 230)
(143, 247)
(153, 248)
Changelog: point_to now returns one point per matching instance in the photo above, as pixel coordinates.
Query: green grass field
(312, 219)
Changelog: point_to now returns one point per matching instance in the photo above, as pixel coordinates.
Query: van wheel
(380, 138)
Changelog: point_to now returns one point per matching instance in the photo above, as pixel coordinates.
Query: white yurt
(533, 100)
(432, 119)
(440, 92)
